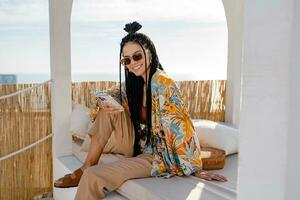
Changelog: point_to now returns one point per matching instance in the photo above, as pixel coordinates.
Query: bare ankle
(86, 165)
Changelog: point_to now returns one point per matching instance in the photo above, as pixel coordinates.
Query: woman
(154, 132)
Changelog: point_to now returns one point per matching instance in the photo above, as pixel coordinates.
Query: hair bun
(133, 27)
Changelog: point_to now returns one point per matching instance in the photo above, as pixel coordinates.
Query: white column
(293, 147)
(233, 11)
(264, 117)
(60, 59)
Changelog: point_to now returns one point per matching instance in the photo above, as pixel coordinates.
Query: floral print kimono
(174, 143)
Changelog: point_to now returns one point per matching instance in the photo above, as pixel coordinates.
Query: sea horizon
(81, 77)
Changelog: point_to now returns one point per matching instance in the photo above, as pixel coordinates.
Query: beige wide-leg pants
(115, 134)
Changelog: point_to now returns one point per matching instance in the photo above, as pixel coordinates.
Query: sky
(190, 36)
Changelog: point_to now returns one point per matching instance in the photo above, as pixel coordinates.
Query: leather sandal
(69, 180)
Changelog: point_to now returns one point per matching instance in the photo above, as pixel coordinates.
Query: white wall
(234, 14)
(293, 150)
(264, 117)
(60, 61)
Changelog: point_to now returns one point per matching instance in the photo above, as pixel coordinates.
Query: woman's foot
(70, 180)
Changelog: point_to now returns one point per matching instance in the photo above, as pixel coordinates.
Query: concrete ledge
(160, 188)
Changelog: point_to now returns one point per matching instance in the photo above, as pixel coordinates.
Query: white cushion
(86, 143)
(87, 140)
(216, 134)
(80, 119)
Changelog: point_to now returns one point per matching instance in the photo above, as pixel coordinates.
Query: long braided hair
(135, 84)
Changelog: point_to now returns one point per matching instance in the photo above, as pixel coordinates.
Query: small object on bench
(212, 158)
(79, 139)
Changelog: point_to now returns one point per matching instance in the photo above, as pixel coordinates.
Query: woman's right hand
(108, 107)
(209, 176)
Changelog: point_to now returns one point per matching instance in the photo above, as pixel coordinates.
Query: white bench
(173, 188)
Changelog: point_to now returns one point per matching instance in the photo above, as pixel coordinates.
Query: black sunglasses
(135, 57)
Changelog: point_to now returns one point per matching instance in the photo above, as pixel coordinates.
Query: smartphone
(104, 97)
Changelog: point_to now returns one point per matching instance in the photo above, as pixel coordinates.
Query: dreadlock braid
(134, 84)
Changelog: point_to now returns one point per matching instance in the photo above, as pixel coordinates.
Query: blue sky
(190, 36)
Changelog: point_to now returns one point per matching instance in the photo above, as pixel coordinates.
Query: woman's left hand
(209, 176)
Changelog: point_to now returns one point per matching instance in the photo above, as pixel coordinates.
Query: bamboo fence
(26, 118)
(204, 99)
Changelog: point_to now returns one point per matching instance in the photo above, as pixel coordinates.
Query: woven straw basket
(212, 158)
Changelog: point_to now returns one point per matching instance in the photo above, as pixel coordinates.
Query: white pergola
(263, 76)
